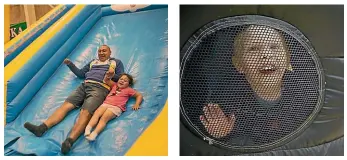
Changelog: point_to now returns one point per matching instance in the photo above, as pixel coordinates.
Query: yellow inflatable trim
(154, 140)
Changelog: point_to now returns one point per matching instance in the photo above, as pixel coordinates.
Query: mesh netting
(251, 84)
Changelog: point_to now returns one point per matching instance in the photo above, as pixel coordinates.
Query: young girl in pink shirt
(113, 105)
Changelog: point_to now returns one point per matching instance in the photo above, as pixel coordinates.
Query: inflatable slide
(37, 82)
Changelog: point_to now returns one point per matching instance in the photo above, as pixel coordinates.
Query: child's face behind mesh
(261, 55)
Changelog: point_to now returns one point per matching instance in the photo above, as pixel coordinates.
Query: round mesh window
(249, 83)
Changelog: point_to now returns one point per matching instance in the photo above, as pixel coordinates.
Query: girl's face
(123, 82)
(263, 56)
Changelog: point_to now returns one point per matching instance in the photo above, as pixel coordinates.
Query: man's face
(263, 57)
(104, 53)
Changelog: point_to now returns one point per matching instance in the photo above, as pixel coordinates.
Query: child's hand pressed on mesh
(216, 122)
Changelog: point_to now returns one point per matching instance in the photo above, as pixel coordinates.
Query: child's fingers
(212, 110)
(207, 113)
(136, 108)
(218, 110)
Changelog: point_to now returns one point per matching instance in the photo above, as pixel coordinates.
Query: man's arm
(107, 78)
(138, 96)
(118, 71)
(80, 73)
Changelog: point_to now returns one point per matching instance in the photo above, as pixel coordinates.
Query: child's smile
(268, 69)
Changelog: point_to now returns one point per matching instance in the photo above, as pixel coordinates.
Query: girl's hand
(136, 107)
(109, 73)
(216, 122)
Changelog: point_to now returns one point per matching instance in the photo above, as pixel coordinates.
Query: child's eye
(254, 48)
(274, 47)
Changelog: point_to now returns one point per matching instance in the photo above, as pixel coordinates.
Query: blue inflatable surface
(140, 41)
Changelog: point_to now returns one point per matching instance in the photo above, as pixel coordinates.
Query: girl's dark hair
(131, 80)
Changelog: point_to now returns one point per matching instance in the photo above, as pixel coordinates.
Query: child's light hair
(239, 44)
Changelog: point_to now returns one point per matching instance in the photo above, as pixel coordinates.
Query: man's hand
(136, 107)
(216, 122)
(67, 61)
(109, 73)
